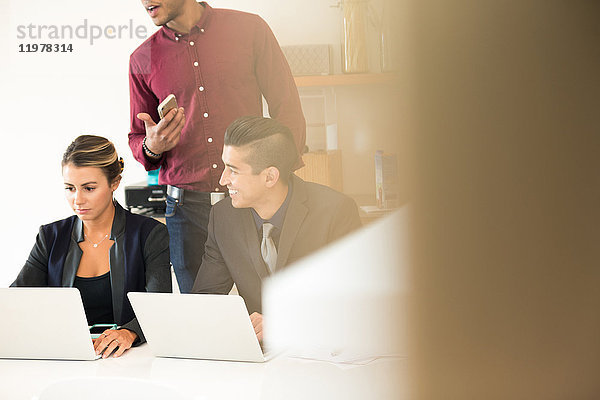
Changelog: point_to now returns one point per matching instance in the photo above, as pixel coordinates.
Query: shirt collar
(279, 216)
(199, 27)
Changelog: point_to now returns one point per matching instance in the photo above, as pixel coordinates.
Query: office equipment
(44, 323)
(146, 199)
(203, 326)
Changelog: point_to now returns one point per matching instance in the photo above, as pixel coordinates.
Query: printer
(145, 199)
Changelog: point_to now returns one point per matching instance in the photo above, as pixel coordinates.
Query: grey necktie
(267, 247)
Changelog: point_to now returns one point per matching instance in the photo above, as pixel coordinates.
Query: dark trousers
(187, 223)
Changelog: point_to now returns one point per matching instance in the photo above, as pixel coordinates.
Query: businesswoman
(103, 250)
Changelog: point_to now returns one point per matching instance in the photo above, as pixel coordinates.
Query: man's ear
(271, 176)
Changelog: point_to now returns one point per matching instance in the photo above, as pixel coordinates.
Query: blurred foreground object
(345, 303)
(506, 97)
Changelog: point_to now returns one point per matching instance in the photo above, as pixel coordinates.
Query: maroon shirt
(218, 73)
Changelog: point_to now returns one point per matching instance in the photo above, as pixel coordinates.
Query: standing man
(272, 217)
(218, 63)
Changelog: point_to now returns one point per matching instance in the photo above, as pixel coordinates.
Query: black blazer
(139, 260)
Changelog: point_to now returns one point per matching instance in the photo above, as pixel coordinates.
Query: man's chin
(237, 204)
(160, 21)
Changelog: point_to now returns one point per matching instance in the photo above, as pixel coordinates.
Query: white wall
(48, 99)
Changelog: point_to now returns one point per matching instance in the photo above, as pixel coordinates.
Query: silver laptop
(204, 326)
(44, 323)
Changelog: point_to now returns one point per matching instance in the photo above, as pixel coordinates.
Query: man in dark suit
(271, 217)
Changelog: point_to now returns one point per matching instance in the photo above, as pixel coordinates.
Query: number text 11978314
(45, 48)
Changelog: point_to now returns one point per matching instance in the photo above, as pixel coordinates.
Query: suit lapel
(74, 254)
(252, 243)
(294, 217)
(117, 261)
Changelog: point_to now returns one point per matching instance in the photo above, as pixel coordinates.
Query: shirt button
(195, 63)
(201, 88)
(202, 30)
(209, 140)
(191, 43)
(205, 115)
(214, 165)
(216, 189)
(177, 38)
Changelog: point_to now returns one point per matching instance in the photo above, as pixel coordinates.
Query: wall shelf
(345, 79)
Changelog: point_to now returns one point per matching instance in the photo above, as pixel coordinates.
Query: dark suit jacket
(139, 260)
(316, 216)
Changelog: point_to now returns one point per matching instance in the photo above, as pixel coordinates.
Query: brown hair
(94, 151)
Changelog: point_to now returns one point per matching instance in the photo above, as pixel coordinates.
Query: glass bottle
(385, 35)
(354, 51)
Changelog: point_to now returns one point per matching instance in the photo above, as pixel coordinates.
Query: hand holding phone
(164, 135)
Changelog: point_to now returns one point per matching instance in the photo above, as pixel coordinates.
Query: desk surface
(279, 378)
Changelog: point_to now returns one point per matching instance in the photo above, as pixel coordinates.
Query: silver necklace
(95, 244)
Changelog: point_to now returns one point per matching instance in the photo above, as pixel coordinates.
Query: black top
(96, 294)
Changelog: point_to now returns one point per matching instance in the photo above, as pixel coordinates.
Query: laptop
(33, 318)
(202, 326)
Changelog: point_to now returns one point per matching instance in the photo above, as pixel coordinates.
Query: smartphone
(97, 329)
(167, 105)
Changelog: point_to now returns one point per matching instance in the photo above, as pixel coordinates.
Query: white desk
(280, 378)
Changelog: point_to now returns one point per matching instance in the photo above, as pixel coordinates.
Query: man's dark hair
(269, 144)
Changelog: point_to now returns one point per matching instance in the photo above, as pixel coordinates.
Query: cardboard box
(324, 167)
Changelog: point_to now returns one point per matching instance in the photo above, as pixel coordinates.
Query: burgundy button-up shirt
(218, 73)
